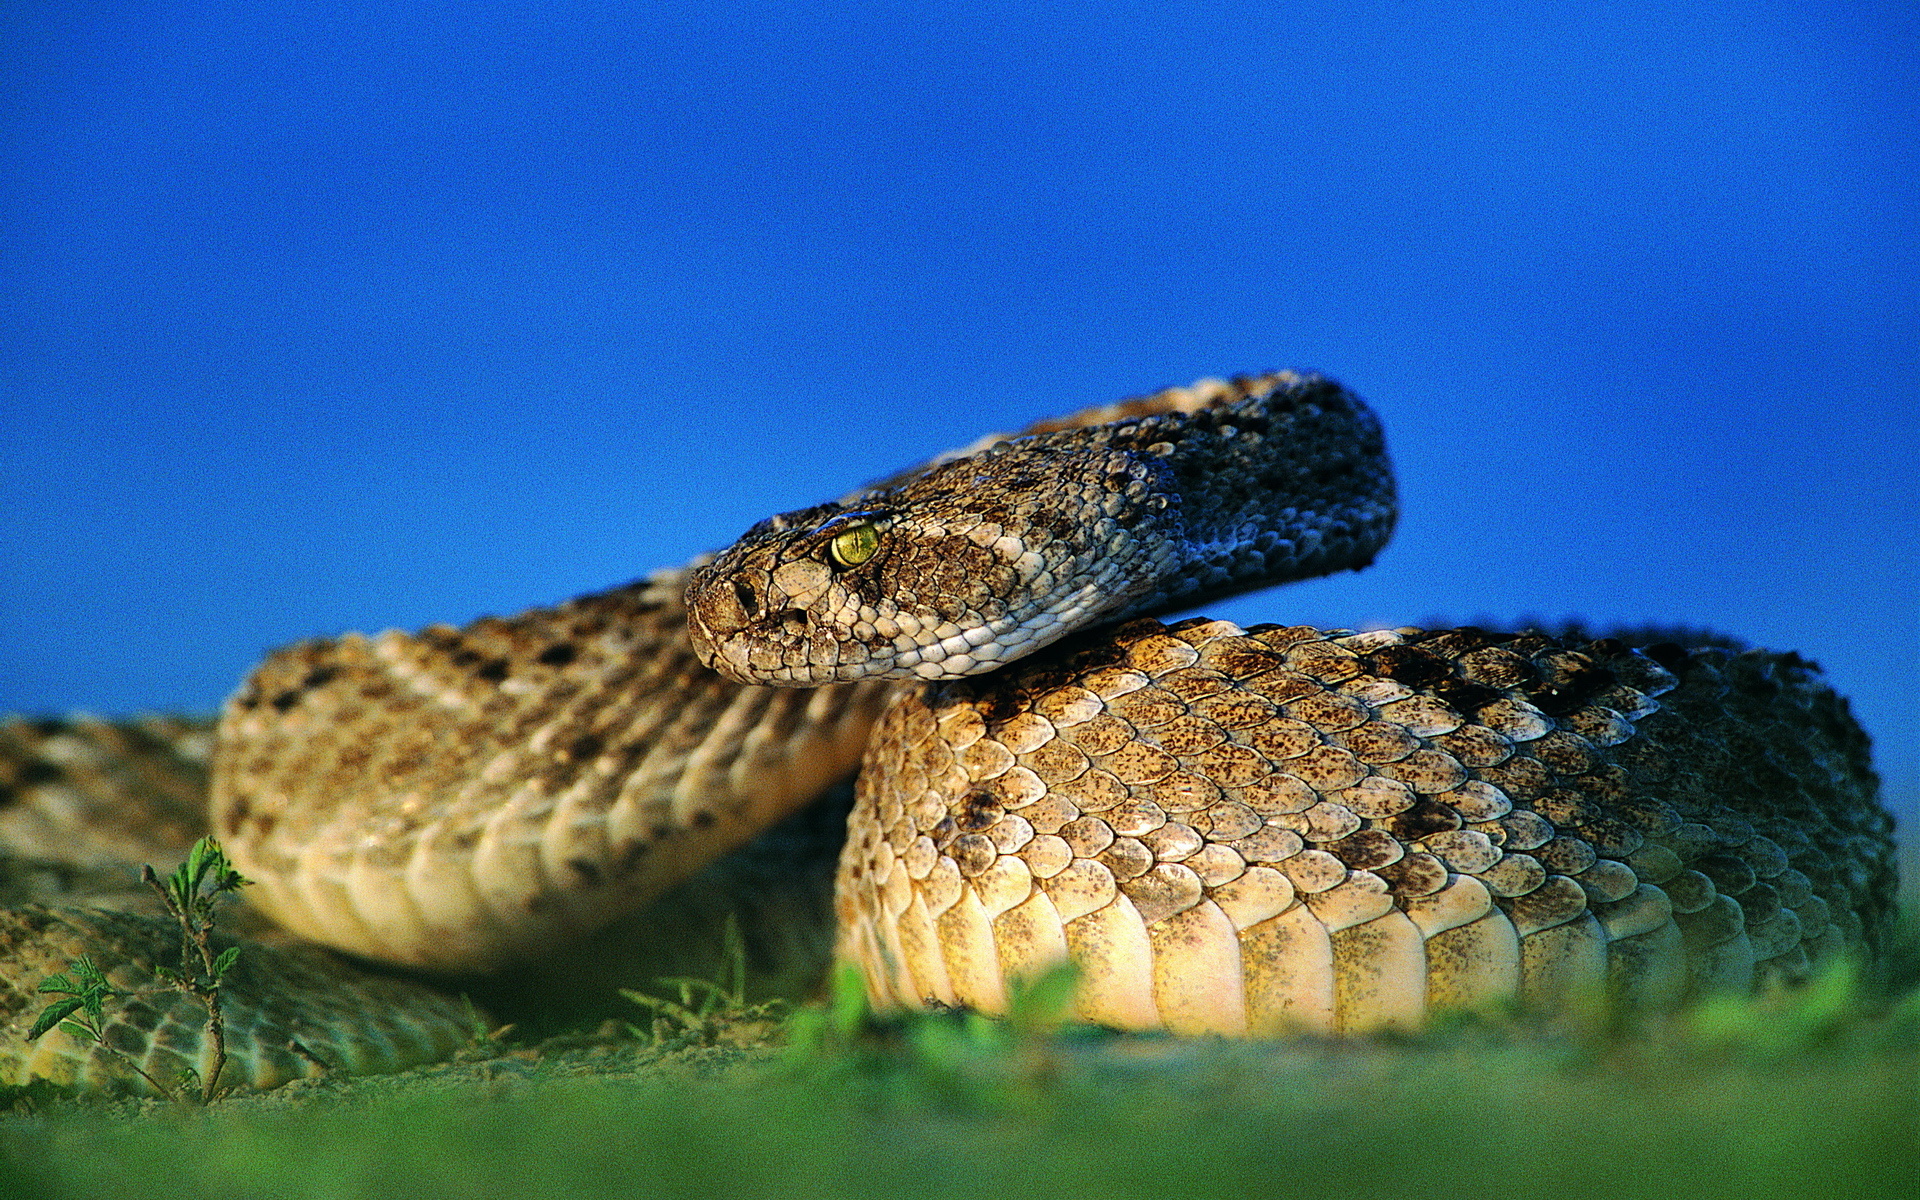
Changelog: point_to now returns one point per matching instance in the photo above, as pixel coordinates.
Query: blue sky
(316, 318)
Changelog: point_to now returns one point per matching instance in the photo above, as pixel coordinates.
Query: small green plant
(702, 1008)
(484, 1038)
(1791, 1020)
(835, 1026)
(1038, 1007)
(82, 1012)
(190, 895)
(959, 1059)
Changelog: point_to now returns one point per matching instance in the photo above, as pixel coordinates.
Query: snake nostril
(744, 597)
(794, 622)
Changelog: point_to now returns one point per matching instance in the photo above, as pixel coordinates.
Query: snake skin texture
(1292, 830)
(1245, 832)
(459, 800)
(103, 793)
(296, 1012)
(1218, 489)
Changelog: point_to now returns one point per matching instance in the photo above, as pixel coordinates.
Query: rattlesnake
(1232, 831)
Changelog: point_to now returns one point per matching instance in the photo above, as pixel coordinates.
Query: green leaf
(89, 973)
(733, 953)
(226, 960)
(53, 1014)
(1043, 1002)
(847, 1006)
(58, 983)
(180, 884)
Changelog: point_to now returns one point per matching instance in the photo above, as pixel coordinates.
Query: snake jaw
(950, 589)
(974, 560)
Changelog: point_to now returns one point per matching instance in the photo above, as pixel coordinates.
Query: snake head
(986, 555)
(956, 571)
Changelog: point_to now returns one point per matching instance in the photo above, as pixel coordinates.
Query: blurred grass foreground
(1815, 1093)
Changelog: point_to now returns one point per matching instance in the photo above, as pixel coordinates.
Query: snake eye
(853, 546)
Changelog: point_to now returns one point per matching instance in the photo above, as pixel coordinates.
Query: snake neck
(976, 561)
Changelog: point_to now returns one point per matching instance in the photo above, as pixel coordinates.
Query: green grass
(886, 1109)
(1812, 1094)
(1129, 1117)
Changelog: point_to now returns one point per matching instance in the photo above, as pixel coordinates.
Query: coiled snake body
(1232, 831)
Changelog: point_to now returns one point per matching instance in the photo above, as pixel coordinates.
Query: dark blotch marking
(495, 671)
(128, 1037)
(998, 707)
(1364, 849)
(703, 819)
(559, 654)
(1465, 697)
(627, 857)
(979, 812)
(286, 700)
(1416, 873)
(944, 833)
(1729, 874)
(589, 874)
(586, 747)
(1571, 692)
(1409, 665)
(1669, 655)
(1090, 650)
(39, 770)
(1426, 818)
(1037, 681)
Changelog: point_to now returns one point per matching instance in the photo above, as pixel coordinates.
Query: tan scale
(294, 1012)
(1438, 820)
(1259, 832)
(458, 800)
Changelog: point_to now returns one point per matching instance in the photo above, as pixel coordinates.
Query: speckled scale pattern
(93, 793)
(1156, 503)
(1287, 829)
(461, 799)
(84, 800)
(1237, 832)
(301, 1013)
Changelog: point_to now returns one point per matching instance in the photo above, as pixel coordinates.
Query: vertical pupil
(854, 546)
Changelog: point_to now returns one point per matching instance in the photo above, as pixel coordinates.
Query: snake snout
(718, 612)
(742, 632)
